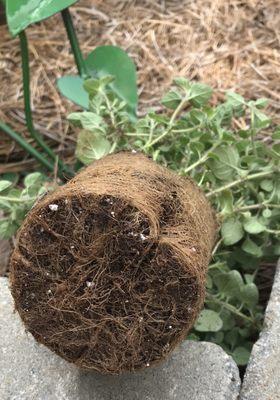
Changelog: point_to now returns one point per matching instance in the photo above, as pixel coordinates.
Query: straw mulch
(230, 45)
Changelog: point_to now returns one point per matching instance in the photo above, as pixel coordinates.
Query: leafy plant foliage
(15, 202)
(218, 147)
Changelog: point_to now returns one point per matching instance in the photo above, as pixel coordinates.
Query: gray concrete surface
(262, 378)
(28, 371)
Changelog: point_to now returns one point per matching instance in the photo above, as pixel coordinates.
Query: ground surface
(230, 45)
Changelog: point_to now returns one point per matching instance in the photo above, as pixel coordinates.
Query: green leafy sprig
(220, 148)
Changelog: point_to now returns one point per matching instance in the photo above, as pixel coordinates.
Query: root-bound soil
(109, 270)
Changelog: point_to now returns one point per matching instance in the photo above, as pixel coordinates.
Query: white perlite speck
(53, 207)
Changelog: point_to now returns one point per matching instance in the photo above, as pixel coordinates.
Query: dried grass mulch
(230, 45)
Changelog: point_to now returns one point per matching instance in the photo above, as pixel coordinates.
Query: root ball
(109, 270)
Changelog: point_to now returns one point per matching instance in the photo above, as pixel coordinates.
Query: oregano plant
(221, 148)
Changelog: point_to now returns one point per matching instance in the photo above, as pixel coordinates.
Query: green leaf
(209, 282)
(93, 86)
(235, 99)
(171, 100)
(200, 94)
(232, 231)
(259, 119)
(224, 162)
(182, 83)
(91, 146)
(4, 185)
(88, 121)
(253, 226)
(7, 229)
(252, 248)
(249, 294)
(267, 185)
(261, 103)
(113, 61)
(276, 134)
(72, 87)
(228, 320)
(231, 337)
(229, 283)
(241, 355)
(11, 176)
(33, 179)
(22, 13)
(208, 321)
(226, 202)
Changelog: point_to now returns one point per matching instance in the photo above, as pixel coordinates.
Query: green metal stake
(27, 105)
(26, 146)
(79, 60)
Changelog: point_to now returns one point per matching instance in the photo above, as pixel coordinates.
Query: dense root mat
(109, 270)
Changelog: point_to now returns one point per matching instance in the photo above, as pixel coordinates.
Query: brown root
(109, 270)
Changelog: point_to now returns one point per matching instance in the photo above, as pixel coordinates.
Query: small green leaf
(115, 62)
(232, 231)
(7, 229)
(208, 321)
(171, 100)
(267, 213)
(229, 283)
(241, 355)
(224, 162)
(252, 248)
(4, 185)
(91, 146)
(72, 87)
(235, 99)
(182, 83)
(226, 202)
(267, 185)
(33, 179)
(253, 226)
(200, 94)
(249, 278)
(261, 103)
(232, 337)
(88, 121)
(259, 119)
(249, 294)
(209, 282)
(94, 86)
(228, 321)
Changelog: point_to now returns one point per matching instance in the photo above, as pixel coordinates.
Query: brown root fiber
(109, 270)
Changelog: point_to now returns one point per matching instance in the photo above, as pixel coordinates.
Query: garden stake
(27, 106)
(26, 146)
(79, 60)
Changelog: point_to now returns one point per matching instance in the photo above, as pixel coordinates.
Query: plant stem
(26, 146)
(71, 33)
(231, 308)
(16, 200)
(238, 181)
(175, 114)
(273, 232)
(202, 159)
(255, 207)
(27, 105)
